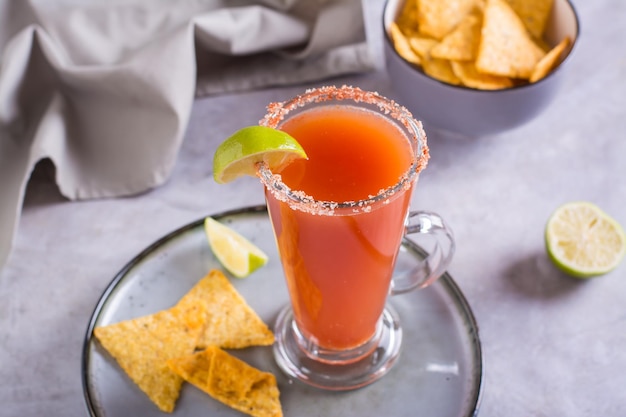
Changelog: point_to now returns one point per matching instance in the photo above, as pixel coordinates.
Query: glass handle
(429, 269)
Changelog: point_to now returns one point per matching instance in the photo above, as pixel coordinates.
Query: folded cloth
(104, 88)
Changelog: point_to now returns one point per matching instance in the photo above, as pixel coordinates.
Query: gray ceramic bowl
(473, 112)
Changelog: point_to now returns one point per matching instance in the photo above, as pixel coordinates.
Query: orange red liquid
(338, 267)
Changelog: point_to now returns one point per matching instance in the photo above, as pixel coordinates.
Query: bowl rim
(389, 45)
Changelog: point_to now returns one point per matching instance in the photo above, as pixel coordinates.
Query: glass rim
(278, 111)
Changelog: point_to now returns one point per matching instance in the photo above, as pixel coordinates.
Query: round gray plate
(439, 373)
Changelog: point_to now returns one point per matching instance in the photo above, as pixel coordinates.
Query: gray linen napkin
(104, 88)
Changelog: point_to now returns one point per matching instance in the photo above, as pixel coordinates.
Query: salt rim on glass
(299, 200)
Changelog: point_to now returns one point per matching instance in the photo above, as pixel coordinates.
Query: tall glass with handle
(339, 219)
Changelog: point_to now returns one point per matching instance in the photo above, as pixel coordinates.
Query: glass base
(316, 367)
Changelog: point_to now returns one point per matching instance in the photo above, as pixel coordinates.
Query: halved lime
(584, 241)
(236, 253)
(240, 153)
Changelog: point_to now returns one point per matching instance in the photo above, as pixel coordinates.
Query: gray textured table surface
(552, 345)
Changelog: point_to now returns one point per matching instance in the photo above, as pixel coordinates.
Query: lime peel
(243, 150)
(584, 241)
(236, 253)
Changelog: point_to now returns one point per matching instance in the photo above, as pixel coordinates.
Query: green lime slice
(236, 253)
(240, 153)
(584, 241)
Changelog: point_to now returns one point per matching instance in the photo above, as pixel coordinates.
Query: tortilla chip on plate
(506, 47)
(142, 347)
(229, 321)
(230, 381)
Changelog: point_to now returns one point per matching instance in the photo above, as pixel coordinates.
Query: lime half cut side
(236, 253)
(240, 153)
(584, 241)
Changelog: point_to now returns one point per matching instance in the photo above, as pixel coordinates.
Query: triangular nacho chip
(470, 77)
(229, 322)
(534, 14)
(230, 381)
(549, 62)
(462, 43)
(422, 45)
(436, 18)
(440, 69)
(401, 44)
(142, 347)
(506, 47)
(407, 18)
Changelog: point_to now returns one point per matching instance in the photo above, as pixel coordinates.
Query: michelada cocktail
(339, 218)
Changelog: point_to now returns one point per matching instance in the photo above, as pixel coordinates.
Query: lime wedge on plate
(240, 153)
(236, 253)
(584, 241)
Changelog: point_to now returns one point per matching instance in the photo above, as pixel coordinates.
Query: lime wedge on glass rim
(240, 153)
(236, 253)
(584, 241)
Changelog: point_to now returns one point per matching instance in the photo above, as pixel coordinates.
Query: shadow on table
(449, 149)
(42, 188)
(535, 276)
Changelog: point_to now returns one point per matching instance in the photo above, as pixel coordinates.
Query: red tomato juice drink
(339, 219)
(339, 267)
